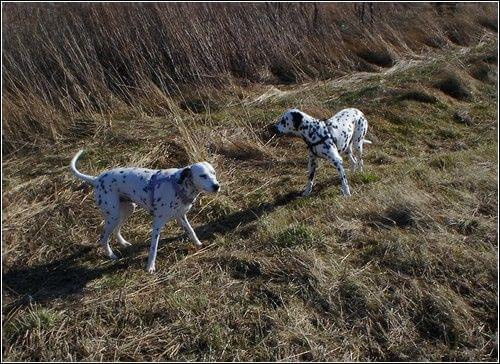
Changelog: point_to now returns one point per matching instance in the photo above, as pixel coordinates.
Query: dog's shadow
(69, 276)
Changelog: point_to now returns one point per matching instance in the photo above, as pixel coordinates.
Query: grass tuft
(298, 235)
(452, 85)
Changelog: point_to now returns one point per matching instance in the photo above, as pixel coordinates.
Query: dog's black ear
(297, 119)
(186, 173)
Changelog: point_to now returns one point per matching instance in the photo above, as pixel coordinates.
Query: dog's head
(202, 176)
(290, 122)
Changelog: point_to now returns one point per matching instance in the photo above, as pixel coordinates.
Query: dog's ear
(296, 119)
(186, 173)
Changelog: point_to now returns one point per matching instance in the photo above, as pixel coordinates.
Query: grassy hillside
(404, 269)
(64, 60)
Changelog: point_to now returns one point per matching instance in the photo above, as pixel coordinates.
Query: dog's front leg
(155, 236)
(192, 235)
(311, 171)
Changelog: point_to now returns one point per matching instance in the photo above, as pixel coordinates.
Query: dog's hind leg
(311, 166)
(359, 138)
(109, 225)
(352, 161)
(359, 151)
(109, 204)
(126, 209)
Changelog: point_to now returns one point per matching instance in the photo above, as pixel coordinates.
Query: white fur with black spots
(167, 194)
(326, 139)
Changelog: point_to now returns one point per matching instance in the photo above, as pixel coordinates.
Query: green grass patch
(36, 318)
(448, 133)
(298, 235)
(364, 177)
(111, 282)
(355, 96)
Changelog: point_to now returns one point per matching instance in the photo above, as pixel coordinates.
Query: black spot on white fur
(337, 134)
(296, 119)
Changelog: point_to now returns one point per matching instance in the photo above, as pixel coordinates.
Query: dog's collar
(156, 180)
(310, 146)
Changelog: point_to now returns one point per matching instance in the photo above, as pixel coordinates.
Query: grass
(405, 269)
(59, 68)
(293, 236)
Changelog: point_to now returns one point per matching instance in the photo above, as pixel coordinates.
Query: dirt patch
(488, 23)
(284, 73)
(400, 216)
(482, 72)
(463, 117)
(268, 296)
(435, 321)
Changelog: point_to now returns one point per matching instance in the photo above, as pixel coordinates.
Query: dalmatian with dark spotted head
(327, 139)
(166, 193)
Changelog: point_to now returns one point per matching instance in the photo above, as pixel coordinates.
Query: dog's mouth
(274, 129)
(214, 188)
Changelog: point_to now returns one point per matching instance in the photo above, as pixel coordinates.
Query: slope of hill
(405, 269)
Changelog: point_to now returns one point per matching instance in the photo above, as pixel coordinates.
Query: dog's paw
(346, 193)
(113, 256)
(193, 248)
(150, 270)
(306, 192)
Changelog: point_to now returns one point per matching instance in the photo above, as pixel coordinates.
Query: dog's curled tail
(85, 177)
(367, 141)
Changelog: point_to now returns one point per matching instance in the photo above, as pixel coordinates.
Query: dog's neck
(309, 129)
(188, 191)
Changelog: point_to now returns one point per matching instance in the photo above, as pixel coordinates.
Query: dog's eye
(203, 176)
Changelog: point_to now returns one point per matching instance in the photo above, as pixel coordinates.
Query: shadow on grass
(228, 223)
(67, 277)
(59, 279)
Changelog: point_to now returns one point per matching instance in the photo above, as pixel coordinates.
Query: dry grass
(62, 60)
(405, 269)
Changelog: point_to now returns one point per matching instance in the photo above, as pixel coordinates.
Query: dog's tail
(85, 177)
(367, 141)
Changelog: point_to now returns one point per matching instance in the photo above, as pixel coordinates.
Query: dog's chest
(165, 200)
(317, 137)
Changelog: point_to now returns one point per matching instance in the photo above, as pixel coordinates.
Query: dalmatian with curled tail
(167, 194)
(326, 139)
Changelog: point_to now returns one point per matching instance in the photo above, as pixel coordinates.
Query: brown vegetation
(64, 59)
(405, 269)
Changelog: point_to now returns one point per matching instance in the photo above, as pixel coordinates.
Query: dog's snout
(216, 187)
(274, 129)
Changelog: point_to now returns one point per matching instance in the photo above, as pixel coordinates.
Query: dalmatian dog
(327, 139)
(167, 194)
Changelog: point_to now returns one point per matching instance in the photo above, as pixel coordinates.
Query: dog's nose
(273, 129)
(216, 187)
